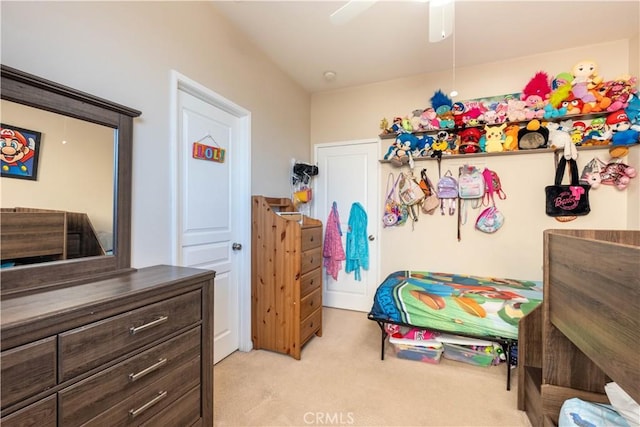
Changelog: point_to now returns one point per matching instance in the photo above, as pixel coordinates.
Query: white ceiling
(390, 39)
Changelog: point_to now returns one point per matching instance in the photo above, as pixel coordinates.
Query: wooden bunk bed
(32, 235)
(587, 331)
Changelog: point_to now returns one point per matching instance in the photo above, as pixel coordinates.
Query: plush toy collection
(488, 125)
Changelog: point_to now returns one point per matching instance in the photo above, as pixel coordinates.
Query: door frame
(378, 227)
(240, 179)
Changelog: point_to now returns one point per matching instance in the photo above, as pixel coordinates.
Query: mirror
(73, 173)
(94, 202)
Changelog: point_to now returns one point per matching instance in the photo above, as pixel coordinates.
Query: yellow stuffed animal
(494, 136)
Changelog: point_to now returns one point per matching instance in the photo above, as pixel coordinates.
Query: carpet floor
(341, 380)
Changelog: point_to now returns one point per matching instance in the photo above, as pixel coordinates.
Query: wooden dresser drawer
(92, 345)
(311, 238)
(310, 282)
(310, 303)
(94, 395)
(28, 370)
(39, 414)
(184, 412)
(310, 325)
(139, 407)
(310, 259)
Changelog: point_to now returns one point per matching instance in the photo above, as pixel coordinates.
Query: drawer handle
(159, 320)
(133, 377)
(135, 412)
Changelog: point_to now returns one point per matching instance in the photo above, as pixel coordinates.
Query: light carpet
(341, 381)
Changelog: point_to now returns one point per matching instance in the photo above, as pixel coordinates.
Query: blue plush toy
(633, 112)
(404, 145)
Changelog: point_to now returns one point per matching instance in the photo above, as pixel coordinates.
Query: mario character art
(18, 152)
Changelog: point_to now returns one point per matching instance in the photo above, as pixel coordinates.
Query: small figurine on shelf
(458, 110)
(396, 127)
(384, 127)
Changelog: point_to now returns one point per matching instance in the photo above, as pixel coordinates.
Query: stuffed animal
(458, 110)
(472, 116)
(469, 141)
(510, 142)
(602, 102)
(415, 120)
(622, 135)
(617, 174)
(633, 112)
(558, 137)
(429, 119)
(620, 91)
(396, 127)
(561, 87)
(494, 136)
(535, 95)
(573, 105)
(398, 153)
(533, 136)
(441, 144)
(585, 77)
(443, 105)
(516, 110)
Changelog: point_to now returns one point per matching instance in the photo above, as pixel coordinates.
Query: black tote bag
(567, 200)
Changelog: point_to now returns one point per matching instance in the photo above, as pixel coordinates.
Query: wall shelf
(507, 153)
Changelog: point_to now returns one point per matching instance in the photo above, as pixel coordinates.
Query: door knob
(236, 246)
(371, 237)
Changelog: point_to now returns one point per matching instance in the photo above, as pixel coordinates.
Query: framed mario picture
(19, 151)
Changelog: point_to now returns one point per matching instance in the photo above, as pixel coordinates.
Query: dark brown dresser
(135, 349)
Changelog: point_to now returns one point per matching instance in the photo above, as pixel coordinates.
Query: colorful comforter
(479, 306)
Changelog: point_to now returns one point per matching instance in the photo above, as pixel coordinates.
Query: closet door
(348, 173)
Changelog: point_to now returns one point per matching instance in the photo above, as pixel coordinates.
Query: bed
(586, 334)
(487, 308)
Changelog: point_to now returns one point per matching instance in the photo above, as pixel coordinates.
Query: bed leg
(508, 350)
(384, 336)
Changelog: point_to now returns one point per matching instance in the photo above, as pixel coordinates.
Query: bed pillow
(623, 404)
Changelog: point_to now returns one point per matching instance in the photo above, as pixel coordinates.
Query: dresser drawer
(310, 325)
(184, 412)
(97, 343)
(310, 259)
(310, 282)
(39, 414)
(310, 303)
(311, 238)
(139, 407)
(94, 395)
(27, 370)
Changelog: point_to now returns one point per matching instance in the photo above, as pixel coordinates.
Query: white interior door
(210, 231)
(348, 173)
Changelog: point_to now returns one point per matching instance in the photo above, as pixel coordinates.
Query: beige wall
(124, 51)
(515, 250)
(75, 177)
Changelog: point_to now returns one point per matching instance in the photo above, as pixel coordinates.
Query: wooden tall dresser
(131, 350)
(286, 282)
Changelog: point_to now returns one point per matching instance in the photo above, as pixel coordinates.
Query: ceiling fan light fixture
(441, 17)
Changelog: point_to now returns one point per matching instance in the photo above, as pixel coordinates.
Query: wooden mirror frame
(23, 88)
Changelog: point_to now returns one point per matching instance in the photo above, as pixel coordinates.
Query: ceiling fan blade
(349, 11)
(441, 17)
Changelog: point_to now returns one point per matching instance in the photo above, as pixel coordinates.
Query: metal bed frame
(506, 343)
